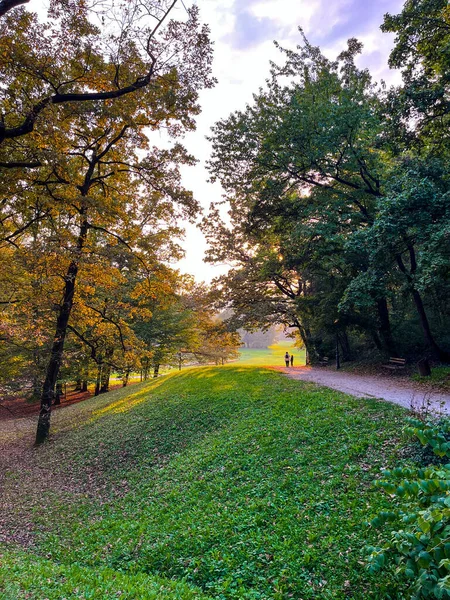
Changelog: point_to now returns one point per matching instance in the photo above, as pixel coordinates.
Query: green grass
(440, 376)
(224, 483)
(34, 578)
(271, 356)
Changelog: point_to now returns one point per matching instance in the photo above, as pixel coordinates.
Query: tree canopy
(338, 196)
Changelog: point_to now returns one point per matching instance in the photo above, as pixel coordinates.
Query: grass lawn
(271, 356)
(224, 483)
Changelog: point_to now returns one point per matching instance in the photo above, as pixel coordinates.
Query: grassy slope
(232, 483)
(272, 356)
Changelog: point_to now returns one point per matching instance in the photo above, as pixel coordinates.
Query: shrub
(419, 546)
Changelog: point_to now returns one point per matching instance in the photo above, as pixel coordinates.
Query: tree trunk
(384, 329)
(99, 379)
(126, 378)
(84, 386)
(105, 379)
(305, 334)
(106, 374)
(54, 364)
(377, 341)
(438, 353)
(156, 370)
(345, 345)
(58, 394)
(146, 368)
(43, 427)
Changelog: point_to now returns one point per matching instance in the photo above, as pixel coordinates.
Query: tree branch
(7, 5)
(28, 124)
(20, 165)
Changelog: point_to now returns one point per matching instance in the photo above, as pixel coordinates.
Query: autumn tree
(83, 52)
(100, 182)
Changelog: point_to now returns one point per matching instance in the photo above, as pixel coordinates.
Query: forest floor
(392, 387)
(14, 407)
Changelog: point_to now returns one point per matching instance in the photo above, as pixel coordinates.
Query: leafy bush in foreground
(420, 545)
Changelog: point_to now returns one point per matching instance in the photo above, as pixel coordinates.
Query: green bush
(419, 546)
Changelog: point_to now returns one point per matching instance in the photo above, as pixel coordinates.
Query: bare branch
(20, 165)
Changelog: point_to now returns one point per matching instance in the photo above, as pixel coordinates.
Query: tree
(309, 168)
(300, 159)
(170, 327)
(96, 182)
(410, 232)
(418, 111)
(84, 53)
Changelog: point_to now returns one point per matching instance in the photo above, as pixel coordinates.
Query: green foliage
(422, 52)
(420, 545)
(234, 480)
(340, 223)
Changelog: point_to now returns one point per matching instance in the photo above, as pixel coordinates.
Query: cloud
(342, 19)
(250, 30)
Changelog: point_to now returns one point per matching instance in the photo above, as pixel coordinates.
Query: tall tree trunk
(126, 378)
(106, 374)
(438, 353)
(377, 341)
(146, 369)
(54, 364)
(305, 334)
(156, 370)
(345, 345)
(84, 386)
(384, 328)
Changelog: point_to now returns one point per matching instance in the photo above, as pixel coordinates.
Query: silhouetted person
(292, 360)
(286, 358)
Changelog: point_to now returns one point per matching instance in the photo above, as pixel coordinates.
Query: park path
(387, 387)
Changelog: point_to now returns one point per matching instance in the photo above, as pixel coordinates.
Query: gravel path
(387, 387)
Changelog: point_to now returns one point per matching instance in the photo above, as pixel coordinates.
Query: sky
(243, 32)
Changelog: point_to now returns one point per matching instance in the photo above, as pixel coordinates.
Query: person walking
(286, 358)
(292, 360)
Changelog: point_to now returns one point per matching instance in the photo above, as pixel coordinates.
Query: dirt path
(390, 388)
